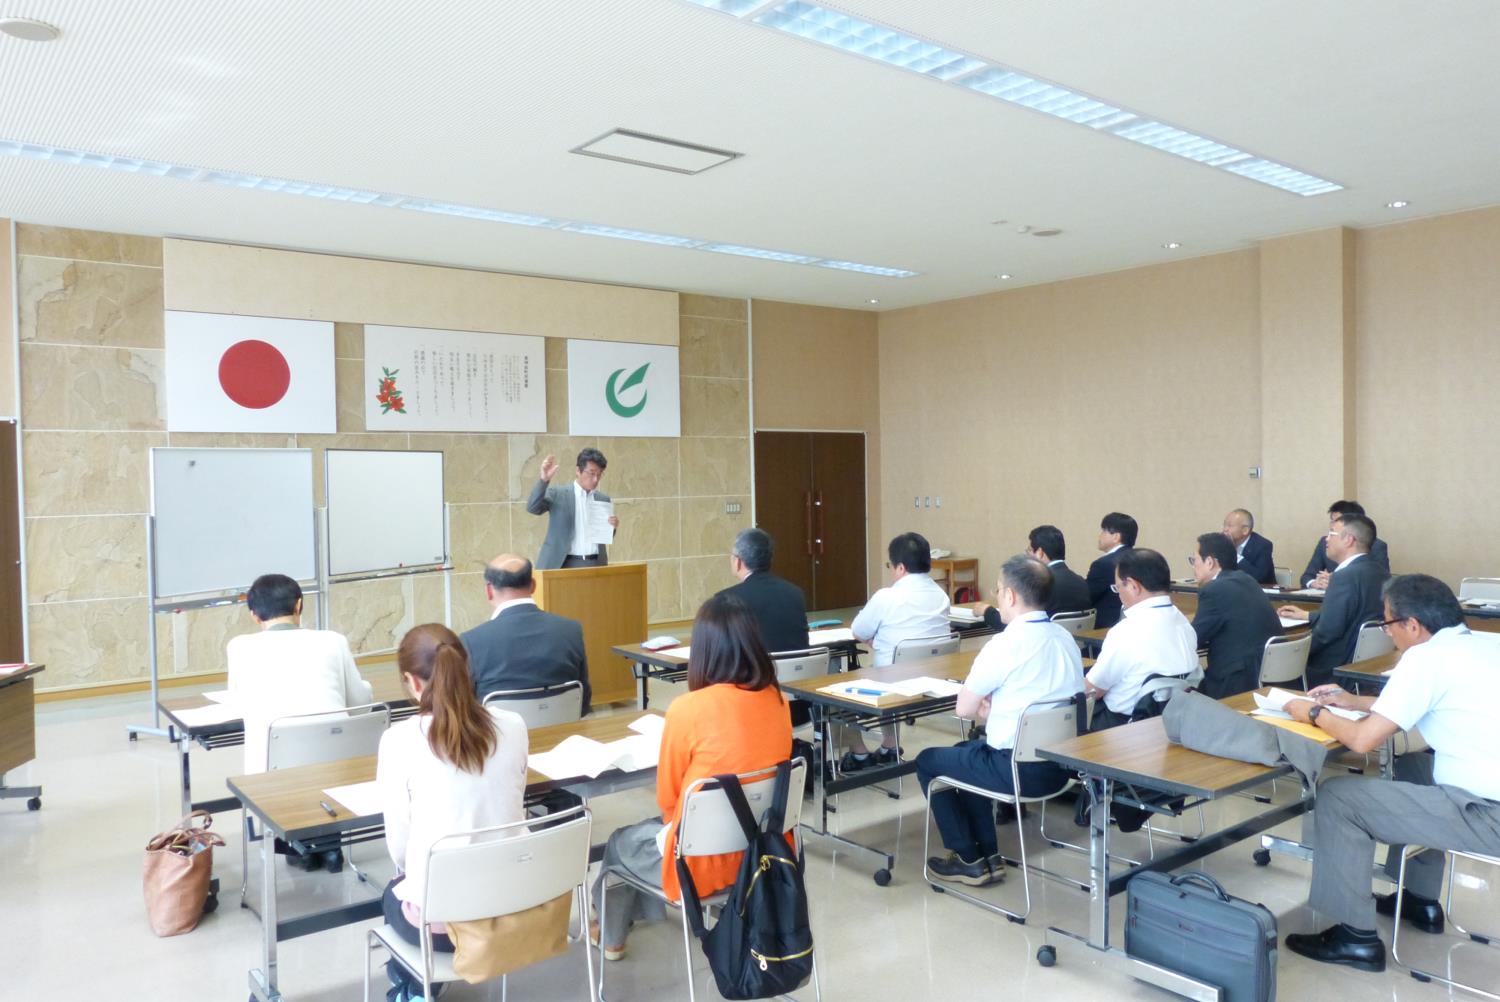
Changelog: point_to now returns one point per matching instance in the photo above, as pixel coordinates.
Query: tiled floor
(72, 925)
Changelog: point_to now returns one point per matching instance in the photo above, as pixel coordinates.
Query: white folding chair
(794, 665)
(1372, 642)
(1285, 660)
(925, 647)
(708, 826)
(490, 873)
(543, 705)
(1285, 578)
(1045, 722)
(1452, 856)
(1075, 622)
(311, 738)
(1480, 589)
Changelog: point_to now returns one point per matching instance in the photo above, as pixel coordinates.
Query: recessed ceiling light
(645, 150)
(1045, 233)
(28, 29)
(883, 44)
(1003, 276)
(334, 193)
(1398, 204)
(873, 302)
(1171, 245)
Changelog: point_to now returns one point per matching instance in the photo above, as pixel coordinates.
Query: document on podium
(597, 529)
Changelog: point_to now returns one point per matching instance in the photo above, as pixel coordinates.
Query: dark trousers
(1227, 678)
(967, 821)
(402, 983)
(572, 561)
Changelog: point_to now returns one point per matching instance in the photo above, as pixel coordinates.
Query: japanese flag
(249, 374)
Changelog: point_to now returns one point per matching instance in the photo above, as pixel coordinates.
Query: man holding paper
(583, 521)
(1033, 660)
(1447, 799)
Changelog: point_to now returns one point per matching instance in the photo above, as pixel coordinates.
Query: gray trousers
(1354, 813)
(632, 848)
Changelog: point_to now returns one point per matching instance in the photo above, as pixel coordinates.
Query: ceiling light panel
(646, 150)
(355, 196)
(895, 48)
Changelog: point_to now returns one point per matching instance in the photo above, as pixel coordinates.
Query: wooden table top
(287, 799)
(384, 679)
(1140, 753)
(948, 666)
(1370, 671)
(21, 675)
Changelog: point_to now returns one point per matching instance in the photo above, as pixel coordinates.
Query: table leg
(184, 746)
(641, 676)
(1100, 792)
(263, 982)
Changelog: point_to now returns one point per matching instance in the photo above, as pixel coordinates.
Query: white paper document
(676, 652)
(1311, 592)
(581, 756)
(361, 799)
(652, 724)
(660, 643)
(217, 696)
(213, 713)
(597, 529)
(963, 612)
(861, 687)
(1273, 704)
(841, 634)
(927, 686)
(1287, 622)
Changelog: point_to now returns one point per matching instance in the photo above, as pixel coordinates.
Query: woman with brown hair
(733, 718)
(454, 766)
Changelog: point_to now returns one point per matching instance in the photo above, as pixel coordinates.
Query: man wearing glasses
(1447, 799)
(1353, 597)
(1320, 567)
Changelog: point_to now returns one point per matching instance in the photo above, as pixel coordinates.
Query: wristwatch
(1312, 715)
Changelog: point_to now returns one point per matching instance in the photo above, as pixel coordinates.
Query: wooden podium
(610, 602)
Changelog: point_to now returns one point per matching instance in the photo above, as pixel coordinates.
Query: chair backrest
(707, 824)
(1045, 722)
(1372, 642)
(1075, 622)
(309, 738)
(542, 706)
(1483, 589)
(1285, 578)
(794, 665)
(497, 871)
(925, 647)
(1156, 692)
(1285, 659)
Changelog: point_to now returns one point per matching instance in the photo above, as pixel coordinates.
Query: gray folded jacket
(1194, 721)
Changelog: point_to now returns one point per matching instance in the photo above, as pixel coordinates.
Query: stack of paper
(965, 613)
(817, 638)
(359, 799)
(676, 652)
(927, 686)
(659, 643)
(1273, 704)
(1310, 592)
(580, 756)
(213, 713)
(217, 696)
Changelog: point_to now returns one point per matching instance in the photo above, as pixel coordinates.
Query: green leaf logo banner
(611, 391)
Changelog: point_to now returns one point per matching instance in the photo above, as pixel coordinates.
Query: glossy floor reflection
(74, 925)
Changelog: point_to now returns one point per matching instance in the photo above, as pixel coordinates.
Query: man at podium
(576, 533)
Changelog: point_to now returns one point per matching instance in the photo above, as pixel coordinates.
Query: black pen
(331, 812)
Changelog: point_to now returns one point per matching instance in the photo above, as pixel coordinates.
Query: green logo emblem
(611, 391)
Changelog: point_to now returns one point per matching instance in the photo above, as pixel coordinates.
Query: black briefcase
(1191, 925)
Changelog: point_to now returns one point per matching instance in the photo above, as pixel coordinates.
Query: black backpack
(762, 945)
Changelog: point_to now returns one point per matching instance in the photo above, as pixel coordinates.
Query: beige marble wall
(93, 406)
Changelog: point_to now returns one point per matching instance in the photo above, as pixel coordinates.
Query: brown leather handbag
(179, 867)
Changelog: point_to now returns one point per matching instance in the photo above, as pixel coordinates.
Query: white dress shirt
(1152, 637)
(1033, 659)
(581, 547)
(425, 798)
(1347, 561)
(285, 671)
(509, 604)
(1445, 688)
(912, 607)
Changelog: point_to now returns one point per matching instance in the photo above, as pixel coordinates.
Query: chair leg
(603, 908)
(687, 950)
(583, 927)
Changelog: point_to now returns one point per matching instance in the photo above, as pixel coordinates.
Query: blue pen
(865, 692)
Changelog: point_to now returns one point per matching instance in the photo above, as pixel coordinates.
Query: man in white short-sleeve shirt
(1449, 798)
(911, 607)
(1032, 661)
(1153, 637)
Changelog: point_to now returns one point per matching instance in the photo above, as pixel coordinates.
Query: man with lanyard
(1033, 660)
(1448, 799)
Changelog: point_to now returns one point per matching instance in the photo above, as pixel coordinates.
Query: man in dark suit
(567, 543)
(1320, 566)
(777, 605)
(1070, 593)
(1234, 619)
(1117, 532)
(1353, 598)
(1252, 550)
(522, 647)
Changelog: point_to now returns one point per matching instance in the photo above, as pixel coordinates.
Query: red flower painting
(387, 396)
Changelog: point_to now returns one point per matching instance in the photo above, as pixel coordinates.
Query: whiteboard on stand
(385, 510)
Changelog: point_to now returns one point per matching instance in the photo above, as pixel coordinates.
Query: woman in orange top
(733, 718)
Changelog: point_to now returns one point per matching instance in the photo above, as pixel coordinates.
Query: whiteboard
(385, 510)
(226, 516)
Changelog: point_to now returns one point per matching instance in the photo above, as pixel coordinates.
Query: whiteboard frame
(326, 564)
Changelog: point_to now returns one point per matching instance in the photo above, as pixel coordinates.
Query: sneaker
(888, 756)
(997, 867)
(955, 869)
(854, 762)
(610, 952)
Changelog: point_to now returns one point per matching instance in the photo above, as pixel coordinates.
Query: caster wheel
(1420, 977)
(1479, 939)
(1046, 956)
(938, 890)
(211, 904)
(1017, 921)
(1262, 857)
(34, 804)
(134, 736)
(882, 877)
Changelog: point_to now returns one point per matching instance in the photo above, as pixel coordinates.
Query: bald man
(522, 647)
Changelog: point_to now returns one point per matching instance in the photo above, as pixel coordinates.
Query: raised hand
(549, 466)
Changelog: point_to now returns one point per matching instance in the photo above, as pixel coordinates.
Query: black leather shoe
(1331, 946)
(1423, 913)
(955, 869)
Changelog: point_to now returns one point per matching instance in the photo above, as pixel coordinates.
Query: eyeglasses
(1386, 626)
(1115, 588)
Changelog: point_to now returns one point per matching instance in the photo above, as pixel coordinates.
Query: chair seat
(411, 955)
(715, 900)
(1000, 795)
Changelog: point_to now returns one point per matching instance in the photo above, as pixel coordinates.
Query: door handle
(807, 522)
(818, 504)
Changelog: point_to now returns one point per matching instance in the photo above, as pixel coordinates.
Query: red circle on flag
(254, 374)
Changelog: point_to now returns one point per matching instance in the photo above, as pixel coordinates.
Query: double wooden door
(11, 642)
(810, 498)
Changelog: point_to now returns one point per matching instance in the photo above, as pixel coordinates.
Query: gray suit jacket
(558, 501)
(525, 648)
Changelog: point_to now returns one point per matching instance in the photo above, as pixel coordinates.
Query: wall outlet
(926, 501)
(938, 502)
(1255, 473)
(731, 507)
(916, 502)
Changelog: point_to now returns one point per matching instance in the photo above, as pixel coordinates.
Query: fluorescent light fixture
(1397, 204)
(847, 33)
(1171, 245)
(645, 150)
(335, 193)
